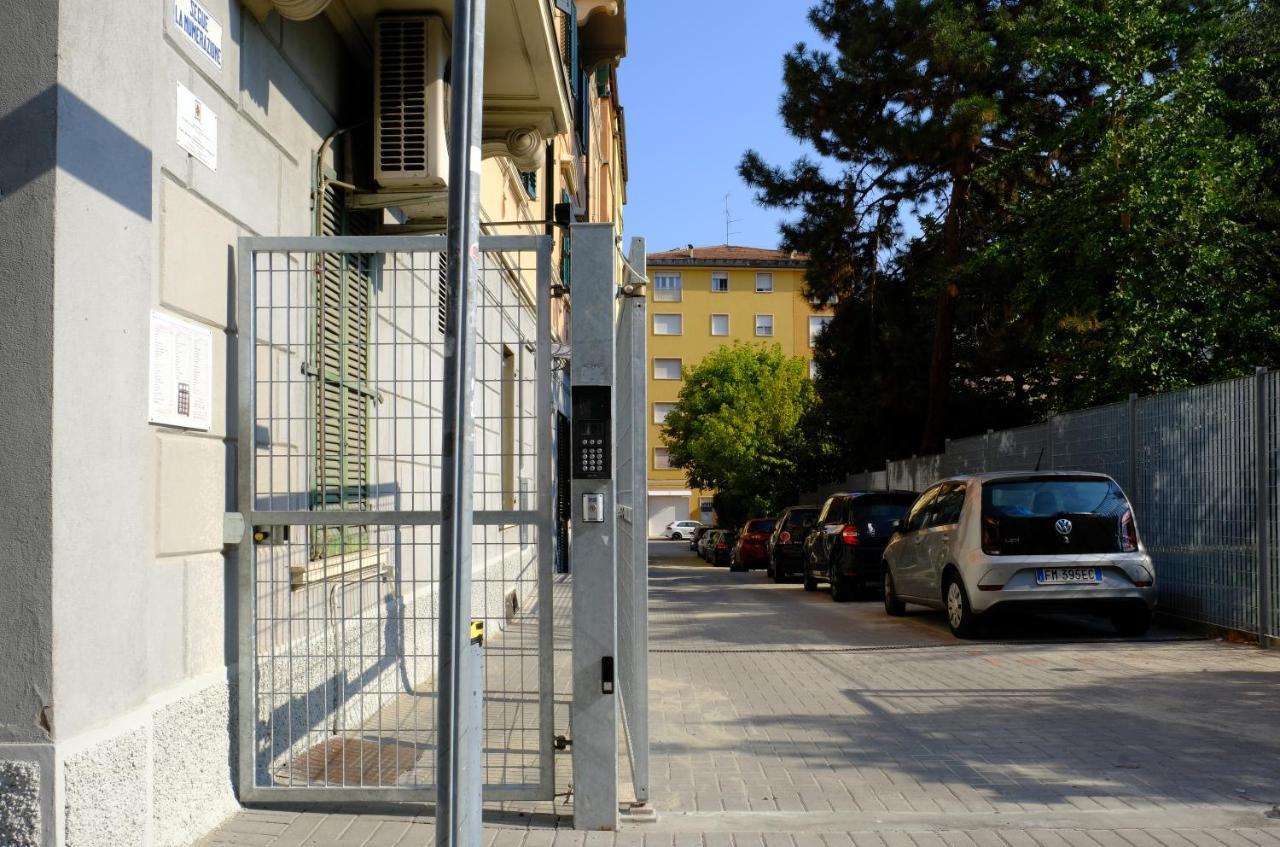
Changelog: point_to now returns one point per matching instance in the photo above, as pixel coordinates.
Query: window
(667, 324)
(833, 510)
(764, 283)
(666, 288)
(720, 282)
(666, 368)
(813, 369)
(529, 179)
(342, 327)
(661, 410)
(719, 324)
(946, 509)
(764, 325)
(661, 458)
(920, 510)
(816, 326)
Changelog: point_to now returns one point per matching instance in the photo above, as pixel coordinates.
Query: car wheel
(675, 536)
(841, 592)
(892, 605)
(769, 570)
(810, 584)
(734, 564)
(960, 616)
(1132, 622)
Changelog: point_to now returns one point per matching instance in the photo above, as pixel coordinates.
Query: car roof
(877, 491)
(992, 476)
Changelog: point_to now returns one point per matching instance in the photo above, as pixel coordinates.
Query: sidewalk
(781, 718)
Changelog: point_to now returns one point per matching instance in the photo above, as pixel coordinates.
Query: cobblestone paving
(781, 718)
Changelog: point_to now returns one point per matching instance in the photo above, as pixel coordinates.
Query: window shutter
(341, 379)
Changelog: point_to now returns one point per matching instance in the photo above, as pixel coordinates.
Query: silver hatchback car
(1041, 540)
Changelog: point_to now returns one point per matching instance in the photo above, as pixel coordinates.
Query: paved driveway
(777, 704)
(782, 718)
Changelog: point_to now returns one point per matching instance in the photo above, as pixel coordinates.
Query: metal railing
(1201, 467)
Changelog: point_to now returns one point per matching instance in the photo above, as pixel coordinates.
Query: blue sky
(701, 84)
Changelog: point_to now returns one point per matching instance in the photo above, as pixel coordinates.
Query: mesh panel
(347, 400)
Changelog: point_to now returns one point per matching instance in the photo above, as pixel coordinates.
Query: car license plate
(1068, 576)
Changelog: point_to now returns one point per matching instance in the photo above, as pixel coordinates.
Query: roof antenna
(729, 221)
(1040, 458)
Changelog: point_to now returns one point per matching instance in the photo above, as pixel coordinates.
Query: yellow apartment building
(701, 298)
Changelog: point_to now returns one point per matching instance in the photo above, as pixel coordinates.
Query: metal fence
(633, 522)
(1201, 467)
(341, 369)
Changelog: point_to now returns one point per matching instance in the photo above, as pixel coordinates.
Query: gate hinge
(232, 527)
(563, 743)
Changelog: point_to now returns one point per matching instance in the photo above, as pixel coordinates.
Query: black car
(703, 542)
(697, 536)
(845, 549)
(786, 544)
(720, 547)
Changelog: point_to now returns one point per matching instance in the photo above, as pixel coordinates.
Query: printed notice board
(181, 373)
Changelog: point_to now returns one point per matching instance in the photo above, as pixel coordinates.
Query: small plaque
(197, 129)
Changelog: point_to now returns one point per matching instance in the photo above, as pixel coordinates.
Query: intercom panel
(592, 431)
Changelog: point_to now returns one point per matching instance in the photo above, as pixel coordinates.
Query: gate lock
(271, 535)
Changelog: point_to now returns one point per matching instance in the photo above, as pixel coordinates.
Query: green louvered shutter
(341, 379)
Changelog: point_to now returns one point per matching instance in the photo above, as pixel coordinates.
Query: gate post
(594, 715)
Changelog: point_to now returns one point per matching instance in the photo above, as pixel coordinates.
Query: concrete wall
(28, 122)
(141, 609)
(115, 590)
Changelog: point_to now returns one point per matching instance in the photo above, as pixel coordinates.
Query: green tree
(1147, 261)
(737, 428)
(912, 98)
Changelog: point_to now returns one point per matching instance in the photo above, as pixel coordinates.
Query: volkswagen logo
(1063, 526)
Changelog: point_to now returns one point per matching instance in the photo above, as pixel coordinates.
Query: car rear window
(1044, 498)
(801, 517)
(876, 507)
(760, 526)
(1052, 516)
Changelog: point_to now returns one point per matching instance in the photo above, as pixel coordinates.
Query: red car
(752, 549)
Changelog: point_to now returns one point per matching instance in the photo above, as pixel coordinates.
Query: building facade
(701, 298)
(141, 142)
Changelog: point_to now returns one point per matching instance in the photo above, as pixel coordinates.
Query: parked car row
(968, 545)
(714, 545)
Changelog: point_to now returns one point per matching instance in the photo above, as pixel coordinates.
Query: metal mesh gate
(341, 369)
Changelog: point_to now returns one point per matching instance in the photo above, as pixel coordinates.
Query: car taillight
(757, 536)
(784, 537)
(720, 545)
(850, 534)
(1128, 533)
(991, 536)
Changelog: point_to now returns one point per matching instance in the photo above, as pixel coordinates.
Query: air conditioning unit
(411, 102)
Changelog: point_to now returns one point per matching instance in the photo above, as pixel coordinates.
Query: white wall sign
(181, 373)
(197, 128)
(199, 26)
